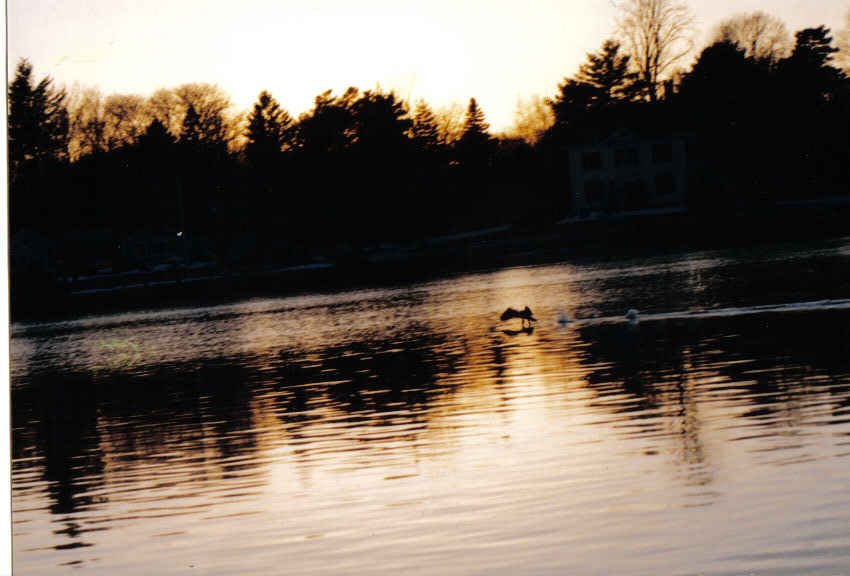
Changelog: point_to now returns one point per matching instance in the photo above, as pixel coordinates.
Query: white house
(627, 172)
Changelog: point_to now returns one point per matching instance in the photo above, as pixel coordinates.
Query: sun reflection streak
(319, 427)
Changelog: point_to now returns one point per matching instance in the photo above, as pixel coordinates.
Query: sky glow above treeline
(443, 51)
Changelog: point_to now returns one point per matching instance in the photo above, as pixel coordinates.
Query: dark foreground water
(402, 431)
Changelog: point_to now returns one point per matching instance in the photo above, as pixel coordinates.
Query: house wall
(626, 174)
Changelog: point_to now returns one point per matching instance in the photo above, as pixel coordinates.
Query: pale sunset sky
(439, 50)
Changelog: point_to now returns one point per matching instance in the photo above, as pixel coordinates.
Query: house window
(592, 160)
(665, 186)
(625, 157)
(662, 152)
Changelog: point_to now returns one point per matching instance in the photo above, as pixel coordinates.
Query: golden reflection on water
(381, 430)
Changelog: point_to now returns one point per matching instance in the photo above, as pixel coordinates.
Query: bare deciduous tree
(842, 40)
(99, 124)
(760, 35)
(450, 122)
(532, 118)
(656, 34)
(87, 129)
(213, 108)
(218, 123)
(125, 117)
(165, 106)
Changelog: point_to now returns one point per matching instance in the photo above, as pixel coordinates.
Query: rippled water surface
(407, 430)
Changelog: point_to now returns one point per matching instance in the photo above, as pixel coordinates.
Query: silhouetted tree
(156, 137)
(87, 127)
(603, 80)
(815, 155)
(474, 151)
(201, 118)
(656, 34)
(158, 175)
(808, 72)
(475, 124)
(217, 126)
(532, 118)
(381, 123)
(38, 119)
(37, 139)
(572, 102)
(125, 118)
(813, 48)
(475, 142)
(762, 37)
(732, 94)
(381, 150)
(721, 75)
(268, 133)
(98, 124)
(330, 125)
(167, 108)
(450, 123)
(608, 72)
(194, 174)
(424, 129)
(427, 176)
(190, 132)
(324, 164)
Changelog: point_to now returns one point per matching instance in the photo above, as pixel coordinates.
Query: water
(402, 430)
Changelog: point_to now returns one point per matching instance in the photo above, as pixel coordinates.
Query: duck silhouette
(525, 315)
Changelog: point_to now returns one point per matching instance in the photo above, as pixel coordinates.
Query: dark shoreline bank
(593, 240)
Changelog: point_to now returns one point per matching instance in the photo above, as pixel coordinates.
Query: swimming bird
(525, 315)
(563, 320)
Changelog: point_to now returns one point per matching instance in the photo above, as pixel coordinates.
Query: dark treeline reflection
(770, 364)
(209, 414)
(197, 426)
(125, 182)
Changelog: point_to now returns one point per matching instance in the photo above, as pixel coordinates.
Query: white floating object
(632, 316)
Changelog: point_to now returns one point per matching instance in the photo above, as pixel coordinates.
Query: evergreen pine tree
(425, 132)
(38, 149)
(156, 137)
(190, 133)
(572, 102)
(38, 119)
(269, 131)
(814, 47)
(474, 146)
(808, 72)
(330, 126)
(608, 72)
(382, 124)
(475, 126)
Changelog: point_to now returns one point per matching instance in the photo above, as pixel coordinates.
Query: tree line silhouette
(771, 119)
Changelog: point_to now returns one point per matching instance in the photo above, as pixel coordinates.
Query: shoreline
(589, 240)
